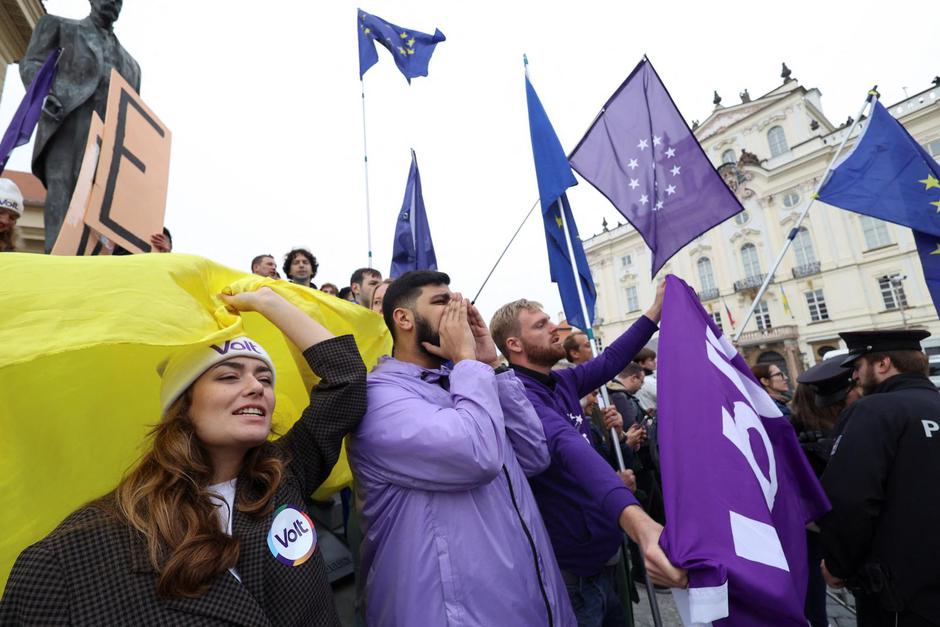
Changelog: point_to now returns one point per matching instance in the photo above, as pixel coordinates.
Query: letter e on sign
(128, 199)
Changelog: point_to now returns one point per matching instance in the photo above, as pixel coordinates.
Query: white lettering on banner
(930, 427)
(753, 540)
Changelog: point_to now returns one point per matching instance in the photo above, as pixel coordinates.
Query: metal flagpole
(870, 99)
(605, 400)
(502, 254)
(365, 159)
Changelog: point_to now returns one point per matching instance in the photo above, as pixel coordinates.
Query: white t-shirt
(226, 506)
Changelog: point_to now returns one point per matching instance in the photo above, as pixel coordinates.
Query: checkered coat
(94, 571)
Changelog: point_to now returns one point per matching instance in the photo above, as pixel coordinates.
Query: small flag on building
(640, 153)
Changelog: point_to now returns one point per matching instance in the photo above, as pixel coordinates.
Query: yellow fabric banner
(81, 338)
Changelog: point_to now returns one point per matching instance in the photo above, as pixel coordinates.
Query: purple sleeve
(408, 441)
(523, 426)
(607, 365)
(570, 450)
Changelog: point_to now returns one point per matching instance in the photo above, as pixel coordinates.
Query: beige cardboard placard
(128, 197)
(76, 237)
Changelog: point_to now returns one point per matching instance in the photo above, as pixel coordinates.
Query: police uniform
(882, 536)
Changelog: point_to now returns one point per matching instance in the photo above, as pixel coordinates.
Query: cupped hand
(457, 341)
(483, 341)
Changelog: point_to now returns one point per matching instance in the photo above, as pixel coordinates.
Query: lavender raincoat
(452, 534)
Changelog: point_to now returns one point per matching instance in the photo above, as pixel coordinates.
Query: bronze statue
(89, 51)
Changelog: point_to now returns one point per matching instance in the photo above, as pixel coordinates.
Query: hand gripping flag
(27, 114)
(640, 153)
(412, 248)
(737, 487)
(82, 338)
(554, 177)
(411, 50)
(889, 176)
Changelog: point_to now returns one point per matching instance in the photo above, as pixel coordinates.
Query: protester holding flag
(881, 538)
(453, 535)
(11, 210)
(585, 504)
(210, 525)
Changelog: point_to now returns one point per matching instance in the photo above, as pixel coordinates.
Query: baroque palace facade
(843, 271)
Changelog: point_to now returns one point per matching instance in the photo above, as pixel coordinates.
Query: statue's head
(108, 10)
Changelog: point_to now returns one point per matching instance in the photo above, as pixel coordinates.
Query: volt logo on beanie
(237, 345)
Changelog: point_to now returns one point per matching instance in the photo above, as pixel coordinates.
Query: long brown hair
(165, 498)
(10, 240)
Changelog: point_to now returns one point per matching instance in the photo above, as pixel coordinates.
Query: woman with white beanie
(211, 525)
(11, 210)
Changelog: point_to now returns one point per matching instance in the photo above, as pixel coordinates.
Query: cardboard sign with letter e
(76, 237)
(128, 197)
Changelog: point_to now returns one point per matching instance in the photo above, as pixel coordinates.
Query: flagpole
(365, 159)
(870, 99)
(604, 400)
(502, 254)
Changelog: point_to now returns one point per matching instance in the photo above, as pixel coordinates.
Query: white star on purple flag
(672, 193)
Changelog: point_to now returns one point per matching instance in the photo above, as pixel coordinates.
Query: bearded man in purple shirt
(585, 504)
(452, 533)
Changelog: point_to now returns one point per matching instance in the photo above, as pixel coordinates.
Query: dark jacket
(92, 570)
(884, 484)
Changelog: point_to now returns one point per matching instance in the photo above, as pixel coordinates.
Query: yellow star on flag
(937, 205)
(411, 42)
(401, 50)
(930, 182)
(558, 220)
(936, 252)
(410, 51)
(367, 31)
(404, 35)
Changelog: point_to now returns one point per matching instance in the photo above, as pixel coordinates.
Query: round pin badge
(292, 537)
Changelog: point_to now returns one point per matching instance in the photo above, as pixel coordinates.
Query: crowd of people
(505, 474)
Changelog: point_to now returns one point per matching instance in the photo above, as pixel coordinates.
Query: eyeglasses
(778, 374)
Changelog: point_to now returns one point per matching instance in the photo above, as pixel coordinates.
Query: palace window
(750, 261)
(817, 306)
(777, 140)
(803, 247)
(728, 156)
(716, 316)
(891, 293)
(706, 274)
(791, 199)
(875, 231)
(762, 316)
(742, 218)
(633, 302)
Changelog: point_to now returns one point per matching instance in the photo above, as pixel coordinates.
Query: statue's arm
(45, 38)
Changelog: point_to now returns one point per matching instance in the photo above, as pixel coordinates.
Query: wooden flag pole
(871, 98)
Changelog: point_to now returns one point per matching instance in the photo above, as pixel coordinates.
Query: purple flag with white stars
(641, 154)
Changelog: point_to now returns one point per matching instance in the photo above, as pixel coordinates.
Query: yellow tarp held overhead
(80, 340)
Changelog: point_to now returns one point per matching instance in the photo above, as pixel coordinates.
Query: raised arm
(598, 371)
(337, 402)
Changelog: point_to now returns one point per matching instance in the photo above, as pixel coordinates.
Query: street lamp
(896, 287)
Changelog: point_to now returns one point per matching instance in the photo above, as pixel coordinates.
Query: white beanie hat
(181, 369)
(11, 197)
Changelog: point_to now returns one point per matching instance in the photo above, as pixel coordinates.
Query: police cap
(829, 379)
(864, 342)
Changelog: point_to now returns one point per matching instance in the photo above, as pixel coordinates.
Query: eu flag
(640, 153)
(411, 50)
(412, 248)
(889, 176)
(27, 114)
(554, 177)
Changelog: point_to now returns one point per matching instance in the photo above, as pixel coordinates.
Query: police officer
(882, 537)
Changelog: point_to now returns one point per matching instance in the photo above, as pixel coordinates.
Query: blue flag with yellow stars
(411, 50)
(889, 176)
(554, 177)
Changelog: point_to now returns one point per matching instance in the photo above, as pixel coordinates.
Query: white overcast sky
(263, 100)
